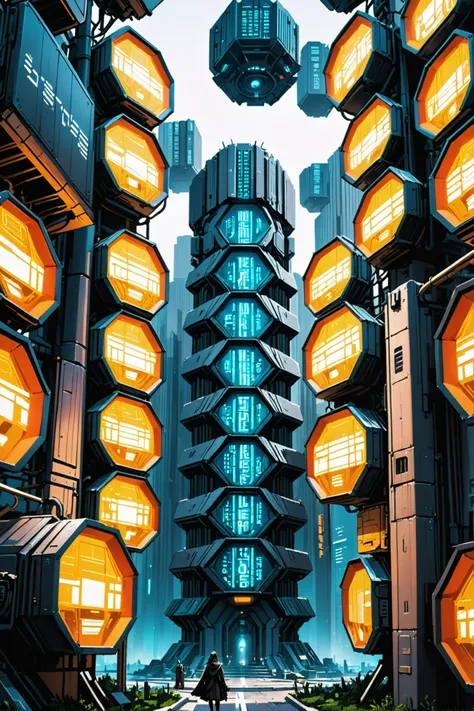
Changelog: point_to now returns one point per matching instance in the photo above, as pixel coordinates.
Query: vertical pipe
(122, 667)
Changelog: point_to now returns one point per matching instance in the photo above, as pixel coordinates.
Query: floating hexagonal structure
(125, 432)
(343, 352)
(445, 94)
(130, 272)
(345, 455)
(132, 167)
(337, 272)
(387, 223)
(126, 353)
(24, 400)
(372, 141)
(365, 603)
(426, 24)
(341, 5)
(358, 62)
(311, 82)
(254, 52)
(314, 187)
(452, 185)
(182, 145)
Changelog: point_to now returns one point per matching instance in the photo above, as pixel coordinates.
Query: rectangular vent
(398, 359)
(401, 465)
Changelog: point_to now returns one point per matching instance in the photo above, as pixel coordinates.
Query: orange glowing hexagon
(348, 58)
(95, 592)
(327, 276)
(130, 505)
(380, 214)
(357, 604)
(134, 159)
(452, 183)
(130, 433)
(29, 269)
(446, 81)
(423, 20)
(141, 72)
(133, 352)
(24, 397)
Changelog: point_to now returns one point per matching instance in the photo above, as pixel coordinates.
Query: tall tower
(239, 568)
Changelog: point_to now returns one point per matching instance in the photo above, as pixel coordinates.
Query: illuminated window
(242, 463)
(367, 139)
(339, 454)
(130, 433)
(422, 18)
(244, 271)
(454, 180)
(141, 73)
(444, 87)
(242, 568)
(348, 58)
(130, 506)
(380, 214)
(243, 365)
(243, 318)
(134, 160)
(244, 224)
(357, 604)
(133, 353)
(328, 275)
(95, 589)
(243, 514)
(242, 413)
(136, 273)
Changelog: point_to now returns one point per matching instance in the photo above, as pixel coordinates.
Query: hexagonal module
(242, 567)
(244, 271)
(243, 514)
(243, 413)
(129, 270)
(128, 9)
(243, 317)
(243, 463)
(426, 24)
(244, 224)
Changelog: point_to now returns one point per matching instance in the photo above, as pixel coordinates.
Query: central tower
(239, 568)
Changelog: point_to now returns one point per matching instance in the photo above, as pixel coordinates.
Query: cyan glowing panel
(243, 318)
(243, 365)
(242, 413)
(244, 271)
(242, 568)
(244, 224)
(243, 514)
(242, 463)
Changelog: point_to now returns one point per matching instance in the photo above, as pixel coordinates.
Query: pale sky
(180, 29)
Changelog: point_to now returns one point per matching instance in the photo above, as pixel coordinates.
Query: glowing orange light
(133, 353)
(95, 595)
(444, 86)
(422, 18)
(454, 180)
(134, 160)
(130, 433)
(357, 604)
(348, 58)
(129, 505)
(327, 276)
(243, 600)
(141, 73)
(380, 214)
(457, 343)
(367, 138)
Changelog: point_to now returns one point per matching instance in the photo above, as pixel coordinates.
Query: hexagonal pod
(341, 5)
(127, 503)
(125, 432)
(453, 614)
(129, 271)
(445, 94)
(453, 350)
(388, 221)
(244, 224)
(245, 567)
(24, 401)
(126, 353)
(81, 579)
(373, 141)
(366, 603)
(132, 169)
(131, 76)
(358, 63)
(426, 24)
(337, 272)
(30, 272)
(244, 271)
(345, 455)
(343, 352)
(452, 184)
(314, 187)
(128, 9)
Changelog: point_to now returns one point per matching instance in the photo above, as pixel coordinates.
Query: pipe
(19, 492)
(445, 274)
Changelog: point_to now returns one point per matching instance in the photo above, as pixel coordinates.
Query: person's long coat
(211, 685)
(179, 677)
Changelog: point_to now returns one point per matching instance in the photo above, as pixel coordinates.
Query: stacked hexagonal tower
(239, 569)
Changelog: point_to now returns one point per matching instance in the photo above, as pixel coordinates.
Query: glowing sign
(244, 271)
(327, 276)
(243, 318)
(243, 514)
(348, 58)
(242, 463)
(357, 604)
(446, 81)
(95, 593)
(242, 568)
(422, 20)
(243, 414)
(243, 365)
(244, 224)
(380, 215)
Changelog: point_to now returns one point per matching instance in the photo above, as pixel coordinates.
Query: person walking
(179, 676)
(212, 686)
